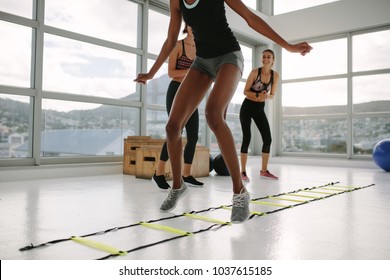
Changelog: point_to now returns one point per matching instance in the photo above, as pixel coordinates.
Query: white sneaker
(240, 210)
(173, 197)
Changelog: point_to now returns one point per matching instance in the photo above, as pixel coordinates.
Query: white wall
(328, 19)
(337, 17)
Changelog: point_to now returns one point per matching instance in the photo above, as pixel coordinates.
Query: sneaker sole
(155, 183)
(193, 185)
(268, 178)
(240, 222)
(174, 206)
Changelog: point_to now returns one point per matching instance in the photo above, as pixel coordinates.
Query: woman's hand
(262, 96)
(302, 48)
(142, 78)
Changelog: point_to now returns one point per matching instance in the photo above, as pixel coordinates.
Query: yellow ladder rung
(166, 228)
(269, 203)
(98, 245)
(258, 213)
(207, 219)
(286, 199)
(345, 187)
(332, 189)
(252, 212)
(317, 192)
(302, 195)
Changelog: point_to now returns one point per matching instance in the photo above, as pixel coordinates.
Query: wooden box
(131, 143)
(201, 163)
(147, 158)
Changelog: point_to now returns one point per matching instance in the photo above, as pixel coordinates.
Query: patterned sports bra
(258, 86)
(183, 62)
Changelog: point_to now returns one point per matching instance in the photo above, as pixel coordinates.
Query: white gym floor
(348, 226)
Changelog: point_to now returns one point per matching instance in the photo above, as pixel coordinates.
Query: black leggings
(192, 127)
(254, 110)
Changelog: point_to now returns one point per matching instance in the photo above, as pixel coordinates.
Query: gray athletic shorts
(210, 66)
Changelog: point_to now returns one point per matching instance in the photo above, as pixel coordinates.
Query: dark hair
(185, 29)
(270, 51)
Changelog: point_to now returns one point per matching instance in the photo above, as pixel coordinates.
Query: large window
(337, 101)
(22, 8)
(371, 51)
(114, 20)
(97, 131)
(80, 68)
(367, 131)
(68, 74)
(371, 93)
(15, 126)
(157, 88)
(157, 21)
(371, 97)
(15, 54)
(315, 97)
(315, 135)
(330, 58)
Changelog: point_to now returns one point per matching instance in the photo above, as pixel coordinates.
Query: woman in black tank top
(219, 57)
(260, 86)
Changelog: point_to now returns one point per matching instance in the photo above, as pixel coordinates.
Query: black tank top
(183, 62)
(212, 34)
(258, 86)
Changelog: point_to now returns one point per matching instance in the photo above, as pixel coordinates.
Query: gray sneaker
(240, 210)
(173, 196)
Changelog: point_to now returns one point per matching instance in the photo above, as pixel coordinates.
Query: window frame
(349, 115)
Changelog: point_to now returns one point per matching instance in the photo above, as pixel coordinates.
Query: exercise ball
(381, 154)
(211, 165)
(220, 166)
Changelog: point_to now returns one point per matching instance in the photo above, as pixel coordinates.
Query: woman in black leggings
(260, 86)
(179, 62)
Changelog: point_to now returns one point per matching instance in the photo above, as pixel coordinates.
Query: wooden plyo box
(131, 143)
(147, 158)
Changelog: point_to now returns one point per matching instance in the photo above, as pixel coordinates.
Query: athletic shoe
(160, 182)
(173, 196)
(267, 175)
(192, 182)
(240, 210)
(244, 177)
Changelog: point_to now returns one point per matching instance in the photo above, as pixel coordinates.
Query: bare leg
(160, 170)
(224, 87)
(243, 158)
(264, 163)
(187, 169)
(188, 97)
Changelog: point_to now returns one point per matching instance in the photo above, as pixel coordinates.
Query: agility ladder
(297, 198)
